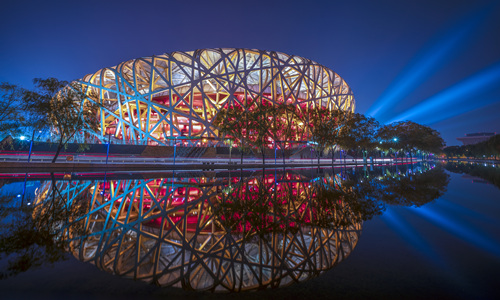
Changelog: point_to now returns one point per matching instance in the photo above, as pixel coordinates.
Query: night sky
(433, 62)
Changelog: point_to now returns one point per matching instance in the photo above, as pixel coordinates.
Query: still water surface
(421, 237)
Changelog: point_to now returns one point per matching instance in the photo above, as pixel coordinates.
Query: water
(447, 248)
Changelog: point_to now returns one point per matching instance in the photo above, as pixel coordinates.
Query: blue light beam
(426, 63)
(451, 98)
(410, 235)
(473, 237)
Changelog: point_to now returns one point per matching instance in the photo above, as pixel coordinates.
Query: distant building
(474, 138)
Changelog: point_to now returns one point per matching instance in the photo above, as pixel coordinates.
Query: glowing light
(22, 138)
(409, 234)
(426, 63)
(454, 97)
(462, 231)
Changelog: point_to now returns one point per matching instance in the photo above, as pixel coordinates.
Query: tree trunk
(262, 150)
(283, 153)
(333, 155)
(59, 147)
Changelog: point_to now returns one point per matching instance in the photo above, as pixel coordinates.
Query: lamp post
(230, 143)
(107, 150)
(175, 147)
(395, 139)
(274, 142)
(29, 157)
(31, 145)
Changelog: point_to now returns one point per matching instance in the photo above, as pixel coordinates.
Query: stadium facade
(176, 96)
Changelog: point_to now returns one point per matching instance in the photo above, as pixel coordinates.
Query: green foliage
(357, 131)
(232, 124)
(61, 107)
(347, 130)
(484, 149)
(410, 136)
(11, 113)
(324, 126)
(263, 123)
(258, 127)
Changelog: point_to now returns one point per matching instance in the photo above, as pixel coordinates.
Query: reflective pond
(395, 231)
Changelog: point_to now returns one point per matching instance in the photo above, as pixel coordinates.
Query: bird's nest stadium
(176, 96)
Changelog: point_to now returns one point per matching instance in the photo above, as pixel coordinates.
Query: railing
(167, 160)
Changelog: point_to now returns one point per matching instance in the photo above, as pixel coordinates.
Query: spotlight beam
(426, 64)
(454, 95)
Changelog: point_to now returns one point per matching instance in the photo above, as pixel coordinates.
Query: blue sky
(433, 62)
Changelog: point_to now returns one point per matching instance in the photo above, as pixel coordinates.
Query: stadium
(176, 96)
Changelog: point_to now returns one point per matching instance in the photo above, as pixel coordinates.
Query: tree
(341, 128)
(410, 136)
(324, 126)
(259, 126)
(231, 122)
(285, 128)
(358, 131)
(489, 148)
(453, 151)
(11, 117)
(261, 117)
(61, 106)
(320, 124)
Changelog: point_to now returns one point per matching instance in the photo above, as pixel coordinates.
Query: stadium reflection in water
(223, 233)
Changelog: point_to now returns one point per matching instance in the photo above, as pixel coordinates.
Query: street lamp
(175, 149)
(395, 139)
(229, 142)
(274, 142)
(230, 150)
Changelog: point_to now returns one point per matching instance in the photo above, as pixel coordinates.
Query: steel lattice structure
(199, 234)
(152, 100)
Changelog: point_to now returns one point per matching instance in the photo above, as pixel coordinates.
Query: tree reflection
(408, 189)
(35, 235)
(490, 173)
(270, 204)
